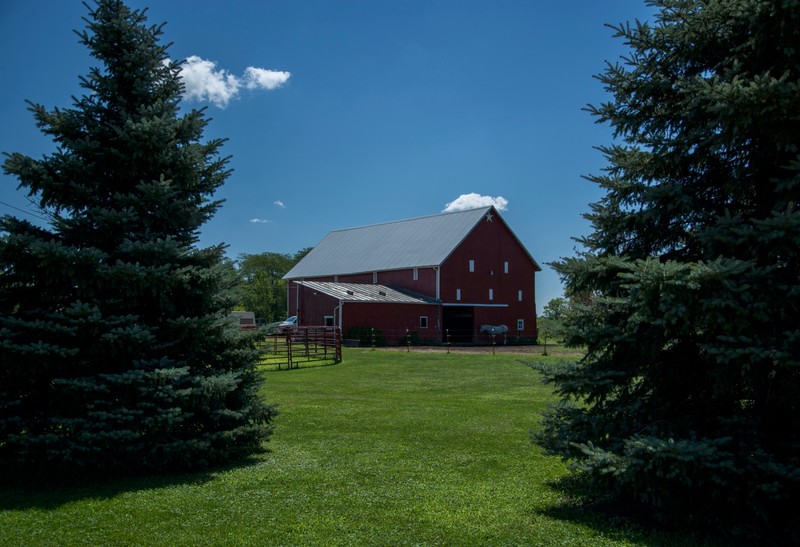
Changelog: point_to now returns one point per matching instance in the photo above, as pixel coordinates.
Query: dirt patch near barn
(552, 350)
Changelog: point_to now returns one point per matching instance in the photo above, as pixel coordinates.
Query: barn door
(460, 322)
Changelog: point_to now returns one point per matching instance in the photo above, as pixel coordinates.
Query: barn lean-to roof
(413, 243)
(360, 292)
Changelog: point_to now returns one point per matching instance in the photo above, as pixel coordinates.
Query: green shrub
(367, 336)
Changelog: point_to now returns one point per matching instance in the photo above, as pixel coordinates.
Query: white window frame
(520, 324)
(471, 265)
(491, 294)
(519, 295)
(458, 295)
(423, 321)
(505, 266)
(374, 278)
(415, 274)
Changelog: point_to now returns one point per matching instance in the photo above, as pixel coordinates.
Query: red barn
(436, 276)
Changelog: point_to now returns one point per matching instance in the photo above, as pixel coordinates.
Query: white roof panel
(359, 292)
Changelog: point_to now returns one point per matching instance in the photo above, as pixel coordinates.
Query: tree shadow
(20, 494)
(619, 521)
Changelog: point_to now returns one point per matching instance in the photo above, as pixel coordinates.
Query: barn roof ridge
(412, 219)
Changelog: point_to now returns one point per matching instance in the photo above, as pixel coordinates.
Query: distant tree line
(259, 283)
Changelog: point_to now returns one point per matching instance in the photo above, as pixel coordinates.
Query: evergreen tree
(687, 399)
(115, 350)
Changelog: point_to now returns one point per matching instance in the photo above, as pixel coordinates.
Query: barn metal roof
(358, 292)
(414, 243)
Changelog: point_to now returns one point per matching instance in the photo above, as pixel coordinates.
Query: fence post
(306, 346)
(289, 348)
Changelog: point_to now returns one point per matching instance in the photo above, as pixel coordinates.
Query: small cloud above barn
(465, 202)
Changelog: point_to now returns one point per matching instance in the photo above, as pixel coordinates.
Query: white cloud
(266, 79)
(205, 82)
(259, 221)
(465, 202)
(279, 203)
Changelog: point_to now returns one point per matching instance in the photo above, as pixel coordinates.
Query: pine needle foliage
(688, 287)
(115, 351)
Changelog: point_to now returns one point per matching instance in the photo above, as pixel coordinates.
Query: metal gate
(311, 345)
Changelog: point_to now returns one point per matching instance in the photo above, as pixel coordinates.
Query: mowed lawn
(386, 448)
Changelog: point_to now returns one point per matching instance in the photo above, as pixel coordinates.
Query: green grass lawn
(386, 448)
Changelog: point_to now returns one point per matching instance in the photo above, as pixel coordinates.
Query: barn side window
(472, 265)
(375, 278)
(505, 267)
(520, 324)
(491, 294)
(423, 321)
(335, 278)
(458, 294)
(519, 296)
(415, 274)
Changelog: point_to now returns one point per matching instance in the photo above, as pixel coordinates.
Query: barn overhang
(468, 305)
(366, 293)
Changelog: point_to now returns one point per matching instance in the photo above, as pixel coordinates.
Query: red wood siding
(313, 307)
(391, 319)
(490, 245)
(424, 284)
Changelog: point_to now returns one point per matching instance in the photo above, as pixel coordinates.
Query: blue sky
(357, 112)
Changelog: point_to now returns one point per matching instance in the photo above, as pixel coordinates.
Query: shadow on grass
(618, 521)
(262, 367)
(19, 494)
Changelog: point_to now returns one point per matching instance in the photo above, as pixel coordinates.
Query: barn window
(328, 320)
(472, 265)
(520, 324)
(375, 278)
(423, 321)
(335, 278)
(491, 294)
(458, 294)
(519, 296)
(505, 267)
(415, 274)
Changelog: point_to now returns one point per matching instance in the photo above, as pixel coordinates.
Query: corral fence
(303, 345)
